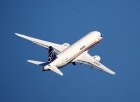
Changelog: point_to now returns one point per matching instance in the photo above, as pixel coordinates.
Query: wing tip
(28, 60)
(113, 73)
(61, 74)
(17, 34)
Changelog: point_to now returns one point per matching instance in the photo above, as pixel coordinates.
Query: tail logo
(51, 54)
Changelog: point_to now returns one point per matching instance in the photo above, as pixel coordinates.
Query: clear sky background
(63, 21)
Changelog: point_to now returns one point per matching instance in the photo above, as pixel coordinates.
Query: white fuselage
(69, 54)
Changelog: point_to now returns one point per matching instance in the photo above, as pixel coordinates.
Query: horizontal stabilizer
(56, 70)
(36, 62)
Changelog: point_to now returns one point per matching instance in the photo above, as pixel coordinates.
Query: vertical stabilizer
(51, 54)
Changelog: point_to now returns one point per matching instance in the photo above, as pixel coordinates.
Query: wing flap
(57, 47)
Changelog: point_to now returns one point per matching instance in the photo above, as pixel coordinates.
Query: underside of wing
(85, 58)
(57, 47)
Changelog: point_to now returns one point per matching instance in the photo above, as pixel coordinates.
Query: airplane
(78, 52)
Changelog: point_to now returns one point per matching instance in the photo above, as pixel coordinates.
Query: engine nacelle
(97, 58)
(66, 44)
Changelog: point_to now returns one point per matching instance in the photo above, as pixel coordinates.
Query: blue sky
(67, 21)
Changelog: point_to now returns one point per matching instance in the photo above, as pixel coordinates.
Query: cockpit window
(101, 35)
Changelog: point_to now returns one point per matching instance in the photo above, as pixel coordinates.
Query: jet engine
(66, 44)
(97, 58)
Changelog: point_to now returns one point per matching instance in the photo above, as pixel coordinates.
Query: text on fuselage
(82, 47)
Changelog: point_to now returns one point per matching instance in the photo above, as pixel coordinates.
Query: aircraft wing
(85, 58)
(57, 47)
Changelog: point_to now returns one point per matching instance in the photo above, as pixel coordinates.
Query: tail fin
(51, 54)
